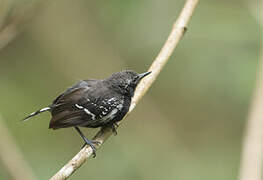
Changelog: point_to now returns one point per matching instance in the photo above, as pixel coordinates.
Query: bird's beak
(142, 75)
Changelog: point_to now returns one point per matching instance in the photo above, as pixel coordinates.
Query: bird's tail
(36, 113)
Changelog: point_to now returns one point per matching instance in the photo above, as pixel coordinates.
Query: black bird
(94, 103)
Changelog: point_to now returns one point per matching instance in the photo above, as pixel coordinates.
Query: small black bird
(94, 103)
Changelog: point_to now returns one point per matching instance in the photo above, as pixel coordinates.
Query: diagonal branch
(176, 34)
(252, 151)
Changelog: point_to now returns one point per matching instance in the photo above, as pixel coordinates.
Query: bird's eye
(134, 81)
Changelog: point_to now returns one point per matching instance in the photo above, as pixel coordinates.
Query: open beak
(142, 75)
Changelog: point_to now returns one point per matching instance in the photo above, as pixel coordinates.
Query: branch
(176, 34)
(252, 152)
(20, 17)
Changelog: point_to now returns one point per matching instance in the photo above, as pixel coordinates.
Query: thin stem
(178, 30)
(20, 16)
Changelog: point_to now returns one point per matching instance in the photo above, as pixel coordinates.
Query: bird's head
(125, 82)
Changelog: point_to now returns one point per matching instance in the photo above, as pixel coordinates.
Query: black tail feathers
(36, 113)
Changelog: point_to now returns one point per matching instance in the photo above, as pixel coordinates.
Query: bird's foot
(88, 142)
(114, 127)
(91, 144)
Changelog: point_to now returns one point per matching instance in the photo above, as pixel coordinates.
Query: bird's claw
(114, 127)
(91, 144)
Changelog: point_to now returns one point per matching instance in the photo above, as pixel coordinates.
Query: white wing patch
(86, 111)
(107, 114)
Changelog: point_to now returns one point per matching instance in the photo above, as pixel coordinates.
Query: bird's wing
(75, 92)
(63, 109)
(84, 106)
(101, 109)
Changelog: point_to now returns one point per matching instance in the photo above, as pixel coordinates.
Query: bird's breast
(109, 113)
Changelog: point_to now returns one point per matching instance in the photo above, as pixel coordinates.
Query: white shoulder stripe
(86, 111)
(78, 106)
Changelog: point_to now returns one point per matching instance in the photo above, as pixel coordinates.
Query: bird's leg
(92, 141)
(114, 127)
(88, 142)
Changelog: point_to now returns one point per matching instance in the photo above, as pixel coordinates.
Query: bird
(93, 103)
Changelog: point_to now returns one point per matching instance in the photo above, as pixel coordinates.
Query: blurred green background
(188, 126)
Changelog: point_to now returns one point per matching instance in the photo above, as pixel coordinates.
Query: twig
(20, 17)
(12, 158)
(176, 34)
(252, 153)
